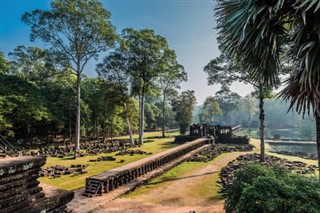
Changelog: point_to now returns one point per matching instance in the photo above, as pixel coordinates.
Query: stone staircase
(93, 188)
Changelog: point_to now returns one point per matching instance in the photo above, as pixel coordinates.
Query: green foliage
(228, 102)
(4, 64)
(209, 110)
(184, 106)
(22, 105)
(258, 189)
(276, 136)
(78, 30)
(33, 64)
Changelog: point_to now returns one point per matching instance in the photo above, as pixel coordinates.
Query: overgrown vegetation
(258, 189)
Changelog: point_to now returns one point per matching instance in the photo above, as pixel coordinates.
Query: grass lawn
(68, 182)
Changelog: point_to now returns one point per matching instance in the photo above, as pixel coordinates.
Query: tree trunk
(95, 127)
(318, 139)
(163, 115)
(70, 124)
(77, 142)
(141, 120)
(249, 124)
(111, 130)
(104, 133)
(129, 126)
(261, 117)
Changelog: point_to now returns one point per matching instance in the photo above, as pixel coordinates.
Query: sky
(188, 26)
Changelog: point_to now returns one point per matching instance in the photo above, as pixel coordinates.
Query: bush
(276, 136)
(258, 189)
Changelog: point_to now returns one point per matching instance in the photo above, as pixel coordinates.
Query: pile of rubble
(133, 152)
(57, 171)
(88, 149)
(103, 158)
(227, 173)
(212, 152)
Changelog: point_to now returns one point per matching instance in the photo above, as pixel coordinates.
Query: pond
(307, 148)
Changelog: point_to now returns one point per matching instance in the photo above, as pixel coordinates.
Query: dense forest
(39, 101)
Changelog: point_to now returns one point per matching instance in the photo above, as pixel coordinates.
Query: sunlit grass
(68, 182)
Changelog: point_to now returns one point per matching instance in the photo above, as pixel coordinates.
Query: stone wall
(20, 191)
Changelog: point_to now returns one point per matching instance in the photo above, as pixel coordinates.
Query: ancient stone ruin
(227, 173)
(209, 153)
(20, 191)
(222, 134)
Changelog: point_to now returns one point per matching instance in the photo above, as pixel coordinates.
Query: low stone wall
(19, 187)
(234, 140)
(113, 178)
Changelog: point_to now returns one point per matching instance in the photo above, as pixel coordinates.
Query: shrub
(276, 136)
(258, 189)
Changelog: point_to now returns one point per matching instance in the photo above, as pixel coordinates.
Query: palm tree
(259, 32)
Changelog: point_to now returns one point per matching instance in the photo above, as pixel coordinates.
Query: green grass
(207, 189)
(68, 182)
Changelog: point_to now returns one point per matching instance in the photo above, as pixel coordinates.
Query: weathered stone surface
(19, 190)
(11, 166)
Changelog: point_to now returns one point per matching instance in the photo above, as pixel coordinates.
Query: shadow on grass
(168, 145)
(175, 179)
(216, 198)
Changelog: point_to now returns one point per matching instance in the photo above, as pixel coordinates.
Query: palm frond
(254, 32)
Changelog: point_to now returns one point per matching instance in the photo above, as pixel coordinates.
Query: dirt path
(178, 195)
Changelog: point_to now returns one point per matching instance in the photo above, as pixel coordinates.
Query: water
(310, 149)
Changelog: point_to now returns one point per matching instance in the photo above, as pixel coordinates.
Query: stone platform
(20, 191)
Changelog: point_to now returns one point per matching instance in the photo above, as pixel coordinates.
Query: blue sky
(188, 26)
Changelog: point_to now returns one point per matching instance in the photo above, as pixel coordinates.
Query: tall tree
(209, 110)
(184, 105)
(145, 53)
(114, 69)
(228, 102)
(225, 70)
(173, 74)
(248, 104)
(76, 29)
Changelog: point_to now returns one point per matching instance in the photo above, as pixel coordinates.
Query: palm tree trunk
(129, 126)
(318, 139)
(163, 115)
(77, 142)
(261, 117)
